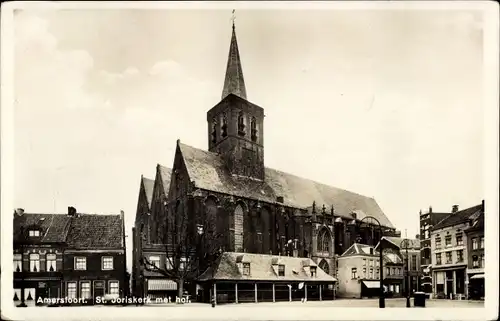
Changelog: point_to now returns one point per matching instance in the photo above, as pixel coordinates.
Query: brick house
(449, 246)
(150, 283)
(74, 255)
(427, 222)
(475, 256)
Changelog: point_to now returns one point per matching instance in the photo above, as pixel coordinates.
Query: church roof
(148, 185)
(209, 172)
(234, 82)
(165, 174)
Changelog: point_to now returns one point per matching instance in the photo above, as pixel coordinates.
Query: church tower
(236, 126)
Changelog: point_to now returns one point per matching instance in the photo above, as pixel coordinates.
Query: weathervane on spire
(233, 17)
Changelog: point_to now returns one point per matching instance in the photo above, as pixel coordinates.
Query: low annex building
(246, 277)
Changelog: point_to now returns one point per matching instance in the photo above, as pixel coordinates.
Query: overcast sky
(383, 103)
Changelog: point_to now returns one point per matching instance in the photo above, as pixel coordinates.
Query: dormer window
(313, 271)
(34, 233)
(253, 129)
(281, 270)
(241, 124)
(224, 125)
(246, 268)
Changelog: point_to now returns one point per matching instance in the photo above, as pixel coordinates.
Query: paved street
(324, 310)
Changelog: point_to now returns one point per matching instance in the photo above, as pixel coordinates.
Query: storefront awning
(372, 284)
(161, 285)
(477, 276)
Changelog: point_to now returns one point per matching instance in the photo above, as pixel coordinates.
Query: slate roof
(165, 174)
(397, 241)
(459, 217)
(96, 231)
(54, 226)
(209, 172)
(477, 223)
(148, 185)
(262, 268)
(359, 249)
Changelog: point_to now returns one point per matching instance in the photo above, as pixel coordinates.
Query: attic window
(281, 270)
(224, 125)
(313, 271)
(246, 268)
(34, 233)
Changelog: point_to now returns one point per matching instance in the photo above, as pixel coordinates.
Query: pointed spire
(234, 82)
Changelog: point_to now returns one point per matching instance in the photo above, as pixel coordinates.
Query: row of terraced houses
(71, 256)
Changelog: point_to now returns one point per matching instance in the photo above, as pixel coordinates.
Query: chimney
(482, 205)
(454, 208)
(417, 236)
(122, 215)
(71, 211)
(353, 215)
(19, 211)
(430, 209)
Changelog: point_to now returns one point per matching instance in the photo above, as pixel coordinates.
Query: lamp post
(372, 221)
(199, 231)
(405, 244)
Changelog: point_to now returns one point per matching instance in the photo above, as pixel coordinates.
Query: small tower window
(253, 127)
(241, 125)
(224, 125)
(214, 132)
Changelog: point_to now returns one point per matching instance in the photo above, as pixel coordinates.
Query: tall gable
(148, 185)
(165, 175)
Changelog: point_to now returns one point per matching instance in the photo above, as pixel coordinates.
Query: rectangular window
(281, 270)
(18, 262)
(114, 287)
(34, 262)
(413, 264)
(85, 290)
(154, 261)
(364, 273)
(438, 258)
(475, 261)
(388, 271)
(460, 240)
(438, 242)
(371, 273)
(393, 271)
(371, 262)
(482, 242)
(447, 240)
(399, 271)
(377, 276)
(474, 243)
(71, 290)
(246, 268)
(107, 263)
(80, 263)
(460, 256)
(354, 273)
(33, 233)
(51, 262)
(364, 262)
(183, 264)
(481, 262)
(448, 258)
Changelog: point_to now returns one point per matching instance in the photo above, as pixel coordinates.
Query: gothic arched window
(324, 266)
(324, 241)
(224, 125)
(238, 216)
(214, 132)
(253, 129)
(241, 124)
(210, 215)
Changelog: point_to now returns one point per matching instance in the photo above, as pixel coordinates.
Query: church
(264, 214)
